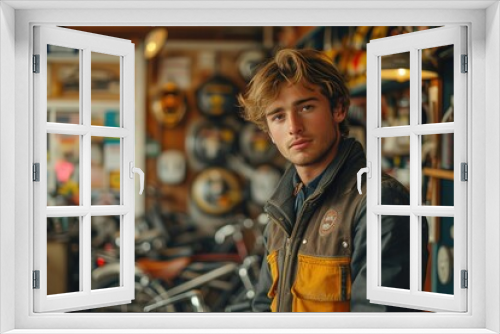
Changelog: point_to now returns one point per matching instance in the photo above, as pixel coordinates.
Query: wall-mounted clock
(171, 167)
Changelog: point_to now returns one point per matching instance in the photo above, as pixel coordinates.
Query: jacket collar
(281, 203)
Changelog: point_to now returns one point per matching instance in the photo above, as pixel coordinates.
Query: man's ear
(339, 114)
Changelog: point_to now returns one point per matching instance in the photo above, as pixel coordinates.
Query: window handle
(368, 171)
(132, 171)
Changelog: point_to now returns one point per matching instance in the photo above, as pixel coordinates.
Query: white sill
(248, 331)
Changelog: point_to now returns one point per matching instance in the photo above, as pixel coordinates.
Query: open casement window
(408, 138)
(83, 166)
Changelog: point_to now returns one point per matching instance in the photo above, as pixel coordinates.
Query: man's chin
(308, 160)
(303, 162)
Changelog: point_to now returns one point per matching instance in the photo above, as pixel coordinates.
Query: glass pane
(437, 169)
(105, 246)
(437, 84)
(105, 170)
(395, 257)
(63, 255)
(69, 115)
(105, 89)
(395, 82)
(63, 82)
(439, 269)
(63, 165)
(395, 162)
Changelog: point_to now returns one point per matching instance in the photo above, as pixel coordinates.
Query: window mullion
(85, 107)
(67, 129)
(127, 118)
(401, 210)
(422, 129)
(85, 184)
(372, 144)
(393, 131)
(66, 211)
(108, 210)
(85, 241)
(415, 169)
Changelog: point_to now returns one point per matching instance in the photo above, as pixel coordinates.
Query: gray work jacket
(316, 258)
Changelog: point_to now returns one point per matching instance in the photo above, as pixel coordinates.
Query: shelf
(75, 97)
(439, 173)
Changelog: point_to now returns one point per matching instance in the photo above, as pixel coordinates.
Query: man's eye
(307, 107)
(277, 117)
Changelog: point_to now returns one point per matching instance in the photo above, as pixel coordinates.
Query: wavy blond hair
(293, 66)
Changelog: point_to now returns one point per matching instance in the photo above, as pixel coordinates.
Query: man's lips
(299, 143)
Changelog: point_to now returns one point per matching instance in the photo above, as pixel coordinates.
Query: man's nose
(296, 124)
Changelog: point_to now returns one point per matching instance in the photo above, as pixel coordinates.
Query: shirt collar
(308, 189)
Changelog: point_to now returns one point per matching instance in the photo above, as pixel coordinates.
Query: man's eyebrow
(307, 99)
(296, 103)
(274, 111)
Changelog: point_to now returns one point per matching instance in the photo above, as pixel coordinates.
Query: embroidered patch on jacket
(328, 222)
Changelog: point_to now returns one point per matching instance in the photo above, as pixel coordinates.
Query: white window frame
(413, 43)
(483, 20)
(123, 50)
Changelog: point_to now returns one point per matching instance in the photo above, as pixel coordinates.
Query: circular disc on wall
(171, 167)
(263, 183)
(209, 143)
(216, 191)
(248, 61)
(256, 145)
(217, 97)
(169, 105)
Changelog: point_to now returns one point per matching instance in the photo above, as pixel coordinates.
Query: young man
(316, 236)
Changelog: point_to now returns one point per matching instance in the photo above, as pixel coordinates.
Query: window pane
(63, 82)
(439, 278)
(437, 169)
(395, 82)
(395, 161)
(105, 170)
(63, 255)
(395, 249)
(105, 89)
(58, 114)
(105, 251)
(63, 169)
(437, 84)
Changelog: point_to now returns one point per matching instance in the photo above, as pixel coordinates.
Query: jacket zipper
(288, 253)
(285, 268)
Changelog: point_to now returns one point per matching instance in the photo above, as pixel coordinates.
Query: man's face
(303, 125)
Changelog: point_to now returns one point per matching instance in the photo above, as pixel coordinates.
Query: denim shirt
(303, 191)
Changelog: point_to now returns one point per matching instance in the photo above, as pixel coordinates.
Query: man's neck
(308, 173)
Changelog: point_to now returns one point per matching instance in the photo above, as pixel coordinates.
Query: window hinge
(465, 171)
(465, 279)
(36, 63)
(36, 172)
(36, 279)
(465, 64)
